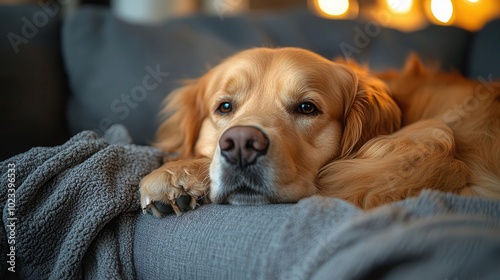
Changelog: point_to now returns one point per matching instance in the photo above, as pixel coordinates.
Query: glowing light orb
(334, 7)
(442, 10)
(400, 6)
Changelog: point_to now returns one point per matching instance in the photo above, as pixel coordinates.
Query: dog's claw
(145, 203)
(155, 208)
(160, 209)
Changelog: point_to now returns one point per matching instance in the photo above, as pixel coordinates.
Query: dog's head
(271, 118)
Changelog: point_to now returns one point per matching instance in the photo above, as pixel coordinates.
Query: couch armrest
(32, 79)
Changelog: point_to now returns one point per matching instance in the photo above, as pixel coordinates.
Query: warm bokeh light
(404, 15)
(400, 6)
(411, 15)
(474, 15)
(442, 10)
(334, 7)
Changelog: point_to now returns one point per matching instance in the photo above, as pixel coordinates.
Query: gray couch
(91, 71)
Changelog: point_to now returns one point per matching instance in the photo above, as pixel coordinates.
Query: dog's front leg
(176, 186)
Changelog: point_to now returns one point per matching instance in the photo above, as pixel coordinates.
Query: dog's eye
(307, 108)
(225, 108)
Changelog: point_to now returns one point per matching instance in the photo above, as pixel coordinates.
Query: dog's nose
(242, 145)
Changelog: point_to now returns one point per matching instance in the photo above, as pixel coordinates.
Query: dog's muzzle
(243, 178)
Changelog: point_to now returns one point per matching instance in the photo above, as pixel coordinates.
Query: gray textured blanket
(73, 212)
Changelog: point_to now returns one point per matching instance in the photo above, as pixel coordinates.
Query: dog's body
(278, 125)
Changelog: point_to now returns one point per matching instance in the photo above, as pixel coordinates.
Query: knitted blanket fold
(68, 212)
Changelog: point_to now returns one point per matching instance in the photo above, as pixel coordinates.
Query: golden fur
(369, 140)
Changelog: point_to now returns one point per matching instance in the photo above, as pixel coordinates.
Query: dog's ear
(184, 113)
(369, 111)
(414, 66)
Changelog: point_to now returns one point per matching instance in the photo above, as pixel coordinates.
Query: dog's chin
(234, 185)
(247, 197)
(242, 196)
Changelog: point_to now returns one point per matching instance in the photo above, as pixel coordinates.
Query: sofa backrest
(108, 60)
(120, 73)
(33, 88)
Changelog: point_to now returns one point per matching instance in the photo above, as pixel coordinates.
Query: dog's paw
(177, 186)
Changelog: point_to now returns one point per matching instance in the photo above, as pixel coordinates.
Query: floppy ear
(370, 111)
(184, 113)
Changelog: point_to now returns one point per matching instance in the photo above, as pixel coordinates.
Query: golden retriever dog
(277, 125)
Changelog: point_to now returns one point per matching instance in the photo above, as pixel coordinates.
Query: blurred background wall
(406, 15)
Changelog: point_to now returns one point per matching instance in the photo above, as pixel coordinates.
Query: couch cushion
(484, 55)
(368, 41)
(445, 46)
(33, 83)
(120, 73)
(437, 235)
(108, 60)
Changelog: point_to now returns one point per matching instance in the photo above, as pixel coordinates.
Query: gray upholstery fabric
(108, 61)
(434, 236)
(484, 55)
(33, 87)
(436, 45)
(235, 242)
